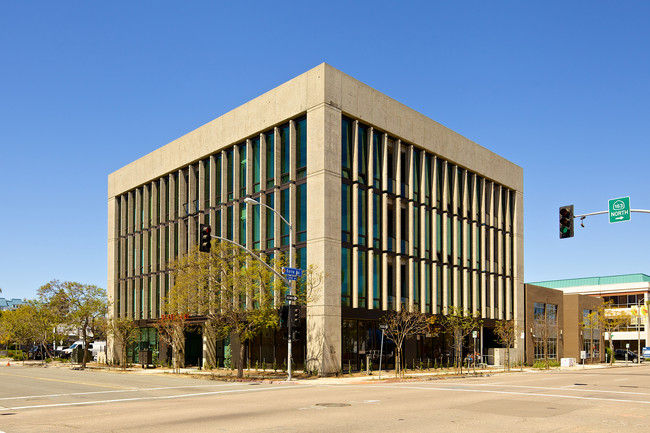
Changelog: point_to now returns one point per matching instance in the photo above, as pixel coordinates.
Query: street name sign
(292, 273)
(619, 209)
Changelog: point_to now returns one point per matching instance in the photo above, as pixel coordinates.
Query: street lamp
(638, 328)
(289, 336)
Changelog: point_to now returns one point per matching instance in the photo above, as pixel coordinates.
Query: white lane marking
(620, 380)
(566, 389)
(563, 388)
(573, 397)
(118, 390)
(198, 394)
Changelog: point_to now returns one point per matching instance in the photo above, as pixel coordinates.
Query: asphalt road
(36, 399)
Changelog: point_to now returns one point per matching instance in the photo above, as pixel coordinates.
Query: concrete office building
(395, 209)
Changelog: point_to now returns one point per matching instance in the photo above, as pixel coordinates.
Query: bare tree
(506, 332)
(124, 332)
(401, 325)
(171, 330)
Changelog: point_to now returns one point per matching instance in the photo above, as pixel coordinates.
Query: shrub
(540, 363)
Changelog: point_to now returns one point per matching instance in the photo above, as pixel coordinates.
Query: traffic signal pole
(585, 215)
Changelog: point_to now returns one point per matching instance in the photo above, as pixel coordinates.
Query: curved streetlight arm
(254, 255)
(253, 201)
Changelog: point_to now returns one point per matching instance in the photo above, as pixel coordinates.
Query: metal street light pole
(290, 286)
(638, 329)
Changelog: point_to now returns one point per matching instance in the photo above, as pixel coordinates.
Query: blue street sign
(291, 277)
(292, 272)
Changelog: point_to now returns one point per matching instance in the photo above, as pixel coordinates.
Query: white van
(96, 347)
(68, 351)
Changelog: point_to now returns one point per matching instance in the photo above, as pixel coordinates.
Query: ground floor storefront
(364, 347)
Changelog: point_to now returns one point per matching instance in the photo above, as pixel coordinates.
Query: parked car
(59, 352)
(36, 352)
(631, 356)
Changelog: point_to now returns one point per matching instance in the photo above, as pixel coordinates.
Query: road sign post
(383, 328)
(292, 273)
(619, 210)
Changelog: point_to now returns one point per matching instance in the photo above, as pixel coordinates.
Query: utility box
(77, 355)
(144, 356)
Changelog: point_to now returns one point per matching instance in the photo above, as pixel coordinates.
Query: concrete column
(489, 238)
(498, 259)
(173, 215)
(182, 225)
(518, 264)
(249, 167)
(384, 226)
(453, 200)
(224, 192)
(162, 233)
(113, 240)
(236, 165)
(324, 237)
(263, 174)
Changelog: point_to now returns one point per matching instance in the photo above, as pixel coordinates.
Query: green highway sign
(619, 209)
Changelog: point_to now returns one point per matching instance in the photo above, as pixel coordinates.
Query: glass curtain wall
(434, 232)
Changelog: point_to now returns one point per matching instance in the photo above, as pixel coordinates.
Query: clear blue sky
(559, 88)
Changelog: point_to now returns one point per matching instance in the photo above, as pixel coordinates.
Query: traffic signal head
(284, 316)
(566, 222)
(295, 316)
(205, 239)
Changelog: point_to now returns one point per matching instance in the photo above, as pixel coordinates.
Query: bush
(552, 363)
(17, 355)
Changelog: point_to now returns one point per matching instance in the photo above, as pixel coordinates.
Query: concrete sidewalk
(301, 378)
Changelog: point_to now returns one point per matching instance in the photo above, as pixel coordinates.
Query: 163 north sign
(619, 210)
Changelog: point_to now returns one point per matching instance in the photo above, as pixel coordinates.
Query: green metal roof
(594, 281)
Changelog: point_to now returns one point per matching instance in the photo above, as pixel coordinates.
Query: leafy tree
(233, 289)
(79, 305)
(610, 320)
(401, 325)
(40, 320)
(124, 332)
(459, 324)
(15, 325)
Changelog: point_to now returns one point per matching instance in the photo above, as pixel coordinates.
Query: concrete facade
(456, 208)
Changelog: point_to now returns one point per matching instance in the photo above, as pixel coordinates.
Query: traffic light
(295, 317)
(284, 316)
(566, 222)
(205, 240)
(295, 336)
